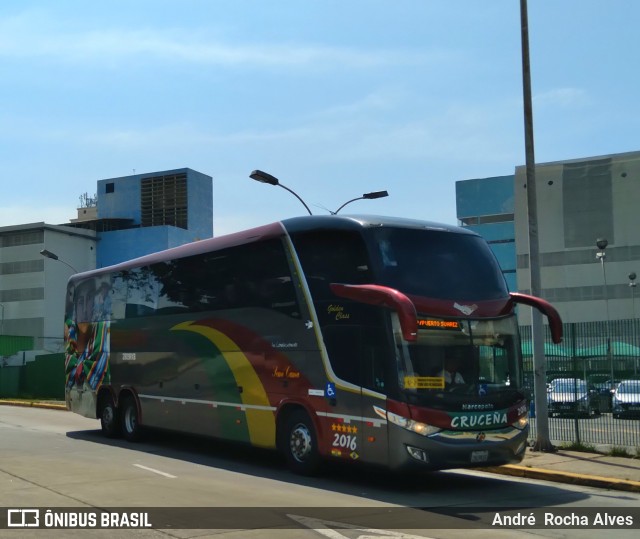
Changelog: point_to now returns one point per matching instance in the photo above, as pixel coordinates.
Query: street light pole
(601, 243)
(53, 256)
(366, 196)
(263, 177)
(543, 441)
(632, 285)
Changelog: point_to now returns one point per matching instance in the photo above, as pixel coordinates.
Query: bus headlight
(521, 423)
(414, 426)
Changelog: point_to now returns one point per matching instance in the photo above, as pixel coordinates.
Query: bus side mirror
(555, 322)
(374, 294)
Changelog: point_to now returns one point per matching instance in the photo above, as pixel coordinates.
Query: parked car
(572, 396)
(626, 399)
(605, 388)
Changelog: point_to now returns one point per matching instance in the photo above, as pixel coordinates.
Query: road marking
(156, 471)
(325, 528)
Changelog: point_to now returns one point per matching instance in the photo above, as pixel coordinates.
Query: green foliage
(575, 446)
(619, 452)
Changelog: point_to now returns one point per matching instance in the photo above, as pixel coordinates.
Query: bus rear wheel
(131, 428)
(300, 444)
(108, 414)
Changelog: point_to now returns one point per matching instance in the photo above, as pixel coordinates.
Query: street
(55, 459)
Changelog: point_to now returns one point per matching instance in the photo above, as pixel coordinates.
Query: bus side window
(344, 350)
(245, 276)
(357, 354)
(375, 350)
(331, 256)
(141, 293)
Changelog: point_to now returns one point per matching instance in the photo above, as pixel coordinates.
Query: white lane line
(326, 529)
(156, 471)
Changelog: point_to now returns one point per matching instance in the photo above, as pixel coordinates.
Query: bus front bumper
(453, 449)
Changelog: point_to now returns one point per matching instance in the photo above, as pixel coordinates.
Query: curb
(28, 404)
(565, 477)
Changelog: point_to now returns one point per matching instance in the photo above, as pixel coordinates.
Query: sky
(334, 97)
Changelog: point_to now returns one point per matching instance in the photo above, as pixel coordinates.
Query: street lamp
(601, 244)
(366, 196)
(53, 256)
(263, 177)
(632, 286)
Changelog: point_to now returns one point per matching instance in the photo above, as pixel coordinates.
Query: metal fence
(582, 372)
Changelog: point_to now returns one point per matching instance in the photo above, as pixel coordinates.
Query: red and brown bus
(367, 339)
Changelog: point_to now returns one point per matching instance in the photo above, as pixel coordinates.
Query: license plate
(565, 407)
(479, 456)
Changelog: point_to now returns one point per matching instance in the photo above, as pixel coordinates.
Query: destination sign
(434, 323)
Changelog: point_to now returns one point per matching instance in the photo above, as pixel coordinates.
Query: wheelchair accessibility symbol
(330, 390)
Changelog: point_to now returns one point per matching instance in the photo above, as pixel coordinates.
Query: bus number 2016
(344, 440)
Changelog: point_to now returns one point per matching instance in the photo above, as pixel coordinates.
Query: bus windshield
(438, 264)
(466, 357)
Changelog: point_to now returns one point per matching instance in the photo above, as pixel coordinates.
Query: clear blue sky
(334, 97)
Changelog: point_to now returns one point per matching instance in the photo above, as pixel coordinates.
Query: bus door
(356, 355)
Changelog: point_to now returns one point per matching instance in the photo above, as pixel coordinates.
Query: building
(578, 202)
(144, 213)
(131, 216)
(33, 288)
(486, 206)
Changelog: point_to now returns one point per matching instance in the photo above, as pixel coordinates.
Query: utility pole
(543, 442)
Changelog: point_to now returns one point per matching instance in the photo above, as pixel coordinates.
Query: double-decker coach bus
(378, 340)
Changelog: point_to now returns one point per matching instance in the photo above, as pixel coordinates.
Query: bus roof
(272, 230)
(346, 222)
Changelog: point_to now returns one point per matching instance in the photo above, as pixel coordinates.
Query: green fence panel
(11, 344)
(10, 378)
(44, 377)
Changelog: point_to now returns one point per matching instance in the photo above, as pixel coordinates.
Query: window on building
(26, 237)
(163, 200)
(588, 203)
(21, 266)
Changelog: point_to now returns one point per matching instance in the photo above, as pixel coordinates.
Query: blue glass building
(486, 206)
(144, 213)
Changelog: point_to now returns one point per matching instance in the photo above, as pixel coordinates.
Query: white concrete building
(578, 202)
(32, 287)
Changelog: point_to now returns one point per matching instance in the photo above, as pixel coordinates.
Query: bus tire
(300, 443)
(108, 414)
(130, 420)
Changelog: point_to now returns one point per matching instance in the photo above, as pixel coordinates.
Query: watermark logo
(23, 518)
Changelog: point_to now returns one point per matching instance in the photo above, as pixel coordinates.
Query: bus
(324, 337)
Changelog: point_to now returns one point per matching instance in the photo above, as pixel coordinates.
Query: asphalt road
(54, 459)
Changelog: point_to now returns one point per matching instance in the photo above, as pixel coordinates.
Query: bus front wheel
(108, 414)
(131, 428)
(300, 444)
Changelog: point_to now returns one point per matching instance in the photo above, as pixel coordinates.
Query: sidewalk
(577, 468)
(572, 467)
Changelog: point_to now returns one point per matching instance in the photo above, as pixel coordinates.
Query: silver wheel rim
(300, 442)
(130, 419)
